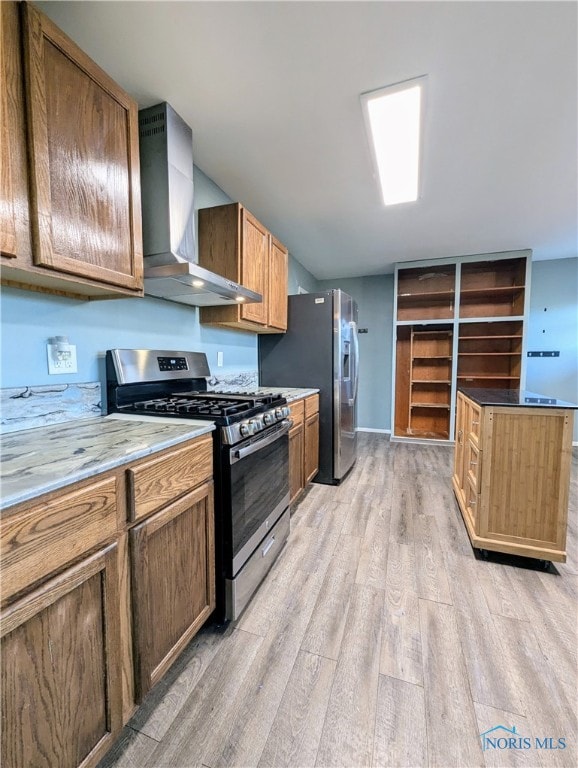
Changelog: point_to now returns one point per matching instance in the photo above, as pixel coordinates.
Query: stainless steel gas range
(251, 458)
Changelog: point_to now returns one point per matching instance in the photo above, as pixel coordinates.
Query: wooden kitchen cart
(512, 471)
(457, 322)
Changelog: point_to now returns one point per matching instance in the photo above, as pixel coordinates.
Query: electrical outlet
(219, 359)
(61, 358)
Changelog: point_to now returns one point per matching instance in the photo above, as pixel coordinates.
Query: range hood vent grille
(171, 270)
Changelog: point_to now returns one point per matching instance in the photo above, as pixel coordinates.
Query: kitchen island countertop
(513, 397)
(36, 461)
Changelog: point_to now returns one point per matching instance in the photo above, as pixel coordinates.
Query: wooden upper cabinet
(278, 269)
(254, 266)
(234, 244)
(14, 225)
(84, 165)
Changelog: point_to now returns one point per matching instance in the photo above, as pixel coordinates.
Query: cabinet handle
(472, 502)
(473, 463)
(268, 546)
(476, 423)
(460, 435)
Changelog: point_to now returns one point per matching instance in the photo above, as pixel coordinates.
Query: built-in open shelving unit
(426, 294)
(459, 322)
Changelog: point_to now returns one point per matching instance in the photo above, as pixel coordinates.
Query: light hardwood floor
(378, 639)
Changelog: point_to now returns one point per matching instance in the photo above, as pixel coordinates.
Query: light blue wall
(554, 326)
(374, 296)
(29, 319)
(299, 277)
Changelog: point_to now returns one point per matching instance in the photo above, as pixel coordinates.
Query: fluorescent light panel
(393, 116)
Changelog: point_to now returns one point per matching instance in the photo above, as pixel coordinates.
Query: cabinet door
(277, 285)
(173, 582)
(83, 145)
(254, 266)
(295, 462)
(14, 231)
(459, 449)
(311, 448)
(61, 694)
(472, 503)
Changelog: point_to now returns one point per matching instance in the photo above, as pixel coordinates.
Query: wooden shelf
(432, 357)
(431, 381)
(431, 332)
(428, 434)
(488, 354)
(444, 406)
(473, 376)
(512, 336)
(491, 291)
(430, 296)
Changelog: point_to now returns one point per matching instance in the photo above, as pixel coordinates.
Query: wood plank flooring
(378, 639)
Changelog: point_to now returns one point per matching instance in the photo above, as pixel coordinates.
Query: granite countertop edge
(291, 394)
(34, 485)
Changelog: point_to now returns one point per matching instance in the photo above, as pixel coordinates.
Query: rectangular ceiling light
(393, 116)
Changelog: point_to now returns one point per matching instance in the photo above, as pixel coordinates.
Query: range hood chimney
(171, 271)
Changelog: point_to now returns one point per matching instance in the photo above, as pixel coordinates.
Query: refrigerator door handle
(355, 338)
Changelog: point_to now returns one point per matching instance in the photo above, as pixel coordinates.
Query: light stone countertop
(35, 461)
(289, 393)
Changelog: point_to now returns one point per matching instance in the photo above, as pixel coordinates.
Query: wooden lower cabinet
(311, 447)
(296, 483)
(296, 449)
(311, 438)
(303, 444)
(61, 690)
(103, 584)
(173, 582)
(511, 477)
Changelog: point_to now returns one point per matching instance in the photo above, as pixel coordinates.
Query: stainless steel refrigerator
(320, 349)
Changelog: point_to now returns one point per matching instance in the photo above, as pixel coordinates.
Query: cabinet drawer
(296, 412)
(472, 502)
(47, 536)
(155, 483)
(473, 464)
(311, 405)
(474, 420)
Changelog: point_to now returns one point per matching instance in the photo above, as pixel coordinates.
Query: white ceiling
(271, 90)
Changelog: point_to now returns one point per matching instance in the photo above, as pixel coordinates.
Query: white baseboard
(371, 429)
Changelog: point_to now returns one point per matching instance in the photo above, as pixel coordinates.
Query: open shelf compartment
(423, 397)
(426, 293)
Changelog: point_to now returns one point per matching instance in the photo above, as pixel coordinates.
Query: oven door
(259, 484)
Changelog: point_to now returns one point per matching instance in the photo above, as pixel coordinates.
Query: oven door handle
(241, 453)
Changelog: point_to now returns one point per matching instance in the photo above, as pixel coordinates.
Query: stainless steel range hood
(168, 216)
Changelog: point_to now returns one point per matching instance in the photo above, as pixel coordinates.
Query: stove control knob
(279, 413)
(269, 418)
(255, 425)
(286, 411)
(246, 429)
